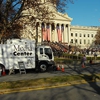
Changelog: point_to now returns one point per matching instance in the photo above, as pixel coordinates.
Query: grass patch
(45, 81)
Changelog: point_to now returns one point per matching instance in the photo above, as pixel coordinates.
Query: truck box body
(15, 51)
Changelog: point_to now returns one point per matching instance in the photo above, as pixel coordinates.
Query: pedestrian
(83, 61)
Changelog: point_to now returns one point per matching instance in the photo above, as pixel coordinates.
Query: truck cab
(45, 57)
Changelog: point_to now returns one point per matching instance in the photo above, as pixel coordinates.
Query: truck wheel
(1, 69)
(43, 67)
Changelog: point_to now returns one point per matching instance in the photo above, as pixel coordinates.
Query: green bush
(69, 58)
(62, 60)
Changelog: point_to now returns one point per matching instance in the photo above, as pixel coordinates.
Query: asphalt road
(69, 70)
(90, 91)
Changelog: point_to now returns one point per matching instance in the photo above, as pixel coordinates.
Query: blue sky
(84, 12)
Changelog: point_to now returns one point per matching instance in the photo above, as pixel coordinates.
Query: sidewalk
(69, 70)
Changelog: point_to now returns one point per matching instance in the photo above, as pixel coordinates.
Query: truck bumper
(51, 63)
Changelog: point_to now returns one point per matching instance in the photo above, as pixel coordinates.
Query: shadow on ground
(92, 78)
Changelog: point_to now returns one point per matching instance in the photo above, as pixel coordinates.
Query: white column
(64, 33)
(63, 37)
(50, 31)
(45, 25)
(59, 28)
(61, 31)
(52, 34)
(69, 37)
(56, 36)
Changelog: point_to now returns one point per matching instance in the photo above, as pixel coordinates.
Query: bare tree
(9, 15)
(97, 38)
(14, 12)
(62, 5)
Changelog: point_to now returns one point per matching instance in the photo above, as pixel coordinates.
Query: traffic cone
(83, 66)
(63, 69)
(3, 71)
(58, 68)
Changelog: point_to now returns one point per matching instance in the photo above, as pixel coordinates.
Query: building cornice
(95, 28)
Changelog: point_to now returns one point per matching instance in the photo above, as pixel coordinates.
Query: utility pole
(36, 38)
(36, 41)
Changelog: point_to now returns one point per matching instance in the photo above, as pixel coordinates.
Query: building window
(80, 42)
(76, 34)
(75, 40)
(84, 35)
(91, 35)
(80, 35)
(41, 50)
(84, 41)
(88, 35)
(71, 34)
(88, 41)
(71, 40)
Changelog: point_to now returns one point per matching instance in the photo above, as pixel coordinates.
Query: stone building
(59, 29)
(83, 36)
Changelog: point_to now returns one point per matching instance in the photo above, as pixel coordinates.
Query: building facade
(59, 29)
(83, 36)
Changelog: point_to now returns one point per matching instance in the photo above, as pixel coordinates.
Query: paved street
(69, 70)
(90, 91)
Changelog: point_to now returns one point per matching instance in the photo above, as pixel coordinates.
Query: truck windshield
(48, 52)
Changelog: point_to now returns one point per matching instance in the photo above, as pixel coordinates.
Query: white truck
(16, 50)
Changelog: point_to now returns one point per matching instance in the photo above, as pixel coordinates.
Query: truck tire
(43, 67)
(1, 68)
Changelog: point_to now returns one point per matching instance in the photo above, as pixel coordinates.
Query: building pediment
(62, 17)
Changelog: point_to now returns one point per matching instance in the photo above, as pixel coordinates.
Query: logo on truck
(21, 50)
